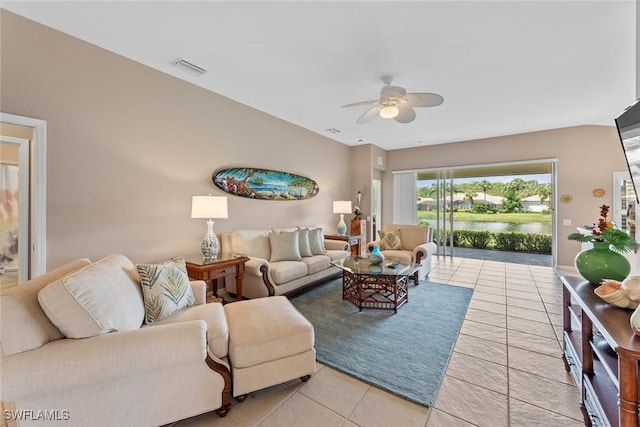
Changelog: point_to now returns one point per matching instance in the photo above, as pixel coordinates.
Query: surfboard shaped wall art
(265, 184)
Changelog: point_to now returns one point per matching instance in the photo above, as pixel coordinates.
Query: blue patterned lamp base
(342, 227)
(210, 246)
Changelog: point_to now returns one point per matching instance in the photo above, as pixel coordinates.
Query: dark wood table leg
(628, 398)
(239, 277)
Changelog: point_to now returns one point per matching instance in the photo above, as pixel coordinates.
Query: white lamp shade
(209, 207)
(342, 207)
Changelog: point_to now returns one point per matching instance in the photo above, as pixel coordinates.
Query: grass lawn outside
(516, 218)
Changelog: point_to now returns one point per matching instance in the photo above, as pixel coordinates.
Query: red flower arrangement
(605, 232)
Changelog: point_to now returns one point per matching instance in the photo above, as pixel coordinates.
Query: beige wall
(128, 146)
(587, 157)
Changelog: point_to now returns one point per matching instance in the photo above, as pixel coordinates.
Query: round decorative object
(598, 192)
(566, 199)
(635, 321)
(376, 257)
(600, 262)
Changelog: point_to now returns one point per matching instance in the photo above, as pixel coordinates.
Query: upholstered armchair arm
(66, 364)
(199, 288)
(422, 251)
(337, 245)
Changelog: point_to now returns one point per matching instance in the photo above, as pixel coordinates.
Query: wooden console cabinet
(601, 352)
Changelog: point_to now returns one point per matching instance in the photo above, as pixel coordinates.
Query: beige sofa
(138, 376)
(280, 261)
(415, 244)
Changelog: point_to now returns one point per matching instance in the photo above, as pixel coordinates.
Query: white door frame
(38, 188)
(23, 204)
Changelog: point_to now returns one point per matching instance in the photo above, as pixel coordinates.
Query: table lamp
(342, 207)
(209, 207)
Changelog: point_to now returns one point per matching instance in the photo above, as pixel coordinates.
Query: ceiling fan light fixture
(389, 112)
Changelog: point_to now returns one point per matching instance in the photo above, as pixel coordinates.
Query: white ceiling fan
(396, 103)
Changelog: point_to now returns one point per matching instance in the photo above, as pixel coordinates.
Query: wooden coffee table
(380, 287)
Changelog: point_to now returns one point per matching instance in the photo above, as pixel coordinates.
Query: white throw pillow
(284, 246)
(303, 243)
(316, 241)
(166, 288)
(100, 298)
(252, 243)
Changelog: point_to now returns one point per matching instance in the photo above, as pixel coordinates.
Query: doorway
(23, 185)
(376, 208)
(14, 206)
(625, 206)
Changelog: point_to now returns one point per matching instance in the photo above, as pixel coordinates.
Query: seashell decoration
(631, 286)
(625, 294)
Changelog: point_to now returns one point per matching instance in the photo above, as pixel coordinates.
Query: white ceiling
(503, 67)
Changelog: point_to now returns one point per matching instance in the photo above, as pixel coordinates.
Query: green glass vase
(600, 262)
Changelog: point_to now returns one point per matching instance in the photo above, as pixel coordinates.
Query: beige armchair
(415, 245)
(173, 369)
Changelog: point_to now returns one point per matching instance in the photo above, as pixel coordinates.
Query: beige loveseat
(409, 242)
(283, 261)
(114, 372)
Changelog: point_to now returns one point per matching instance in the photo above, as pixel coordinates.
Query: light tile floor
(506, 368)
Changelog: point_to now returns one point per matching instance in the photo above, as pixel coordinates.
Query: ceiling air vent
(332, 130)
(186, 65)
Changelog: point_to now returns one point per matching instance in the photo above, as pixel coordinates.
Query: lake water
(533, 227)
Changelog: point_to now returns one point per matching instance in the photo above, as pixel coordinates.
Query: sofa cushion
(303, 243)
(102, 297)
(217, 328)
(165, 288)
(316, 241)
(284, 246)
(317, 263)
(390, 240)
(286, 271)
(335, 254)
(399, 254)
(24, 325)
(252, 243)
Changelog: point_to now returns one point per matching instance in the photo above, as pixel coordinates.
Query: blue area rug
(405, 354)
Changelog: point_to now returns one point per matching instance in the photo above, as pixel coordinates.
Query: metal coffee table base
(377, 292)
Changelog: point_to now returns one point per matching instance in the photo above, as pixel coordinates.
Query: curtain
(405, 198)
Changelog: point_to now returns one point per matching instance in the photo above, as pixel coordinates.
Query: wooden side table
(354, 242)
(210, 270)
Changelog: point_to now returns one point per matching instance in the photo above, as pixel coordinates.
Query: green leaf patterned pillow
(165, 288)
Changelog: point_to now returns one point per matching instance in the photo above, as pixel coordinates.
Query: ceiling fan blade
(424, 99)
(406, 115)
(369, 115)
(357, 104)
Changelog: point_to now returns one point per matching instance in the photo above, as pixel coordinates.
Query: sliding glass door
(482, 207)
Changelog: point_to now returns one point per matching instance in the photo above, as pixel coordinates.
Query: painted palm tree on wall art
(265, 184)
